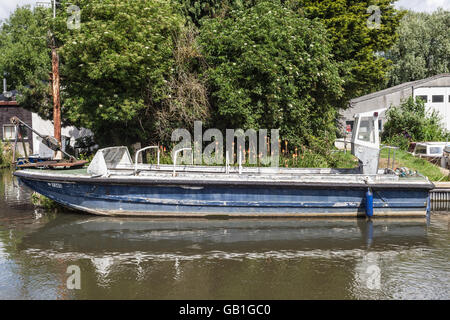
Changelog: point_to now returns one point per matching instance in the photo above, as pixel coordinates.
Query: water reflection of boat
(199, 258)
(98, 234)
(11, 196)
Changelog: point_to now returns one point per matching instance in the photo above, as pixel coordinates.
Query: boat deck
(201, 175)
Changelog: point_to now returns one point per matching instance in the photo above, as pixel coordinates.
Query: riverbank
(404, 159)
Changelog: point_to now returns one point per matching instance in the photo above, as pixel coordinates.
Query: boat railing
(136, 157)
(175, 154)
(389, 155)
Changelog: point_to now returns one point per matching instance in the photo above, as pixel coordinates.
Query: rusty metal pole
(56, 100)
(55, 90)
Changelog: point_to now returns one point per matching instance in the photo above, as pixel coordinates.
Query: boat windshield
(366, 130)
(109, 158)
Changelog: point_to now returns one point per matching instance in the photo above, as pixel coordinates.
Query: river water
(46, 255)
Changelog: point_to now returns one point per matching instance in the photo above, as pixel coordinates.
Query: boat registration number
(55, 185)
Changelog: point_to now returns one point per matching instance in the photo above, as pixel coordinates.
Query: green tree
(271, 68)
(423, 47)
(25, 57)
(117, 66)
(195, 10)
(358, 41)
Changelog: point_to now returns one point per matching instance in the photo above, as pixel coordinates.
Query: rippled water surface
(130, 258)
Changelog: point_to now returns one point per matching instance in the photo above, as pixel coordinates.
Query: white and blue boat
(114, 185)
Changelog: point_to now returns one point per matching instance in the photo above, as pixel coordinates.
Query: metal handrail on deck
(137, 155)
(389, 155)
(175, 153)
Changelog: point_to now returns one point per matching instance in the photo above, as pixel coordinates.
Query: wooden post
(56, 100)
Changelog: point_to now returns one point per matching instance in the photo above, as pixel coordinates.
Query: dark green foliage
(355, 45)
(25, 57)
(136, 70)
(195, 10)
(117, 65)
(271, 68)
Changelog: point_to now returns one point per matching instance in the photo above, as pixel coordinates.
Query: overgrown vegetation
(271, 68)
(412, 122)
(136, 70)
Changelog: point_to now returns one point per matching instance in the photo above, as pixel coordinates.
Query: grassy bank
(404, 159)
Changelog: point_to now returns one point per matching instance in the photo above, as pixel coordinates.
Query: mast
(56, 98)
(55, 91)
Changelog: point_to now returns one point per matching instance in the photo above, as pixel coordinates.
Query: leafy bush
(397, 141)
(271, 68)
(411, 121)
(117, 66)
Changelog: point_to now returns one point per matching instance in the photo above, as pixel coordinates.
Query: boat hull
(151, 198)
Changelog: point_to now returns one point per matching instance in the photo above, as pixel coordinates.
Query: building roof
(398, 88)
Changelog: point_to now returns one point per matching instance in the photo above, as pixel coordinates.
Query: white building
(45, 127)
(434, 90)
(436, 98)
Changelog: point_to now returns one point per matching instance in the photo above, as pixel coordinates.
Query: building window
(9, 132)
(439, 98)
(424, 98)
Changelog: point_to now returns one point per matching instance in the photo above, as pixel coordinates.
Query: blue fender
(369, 203)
